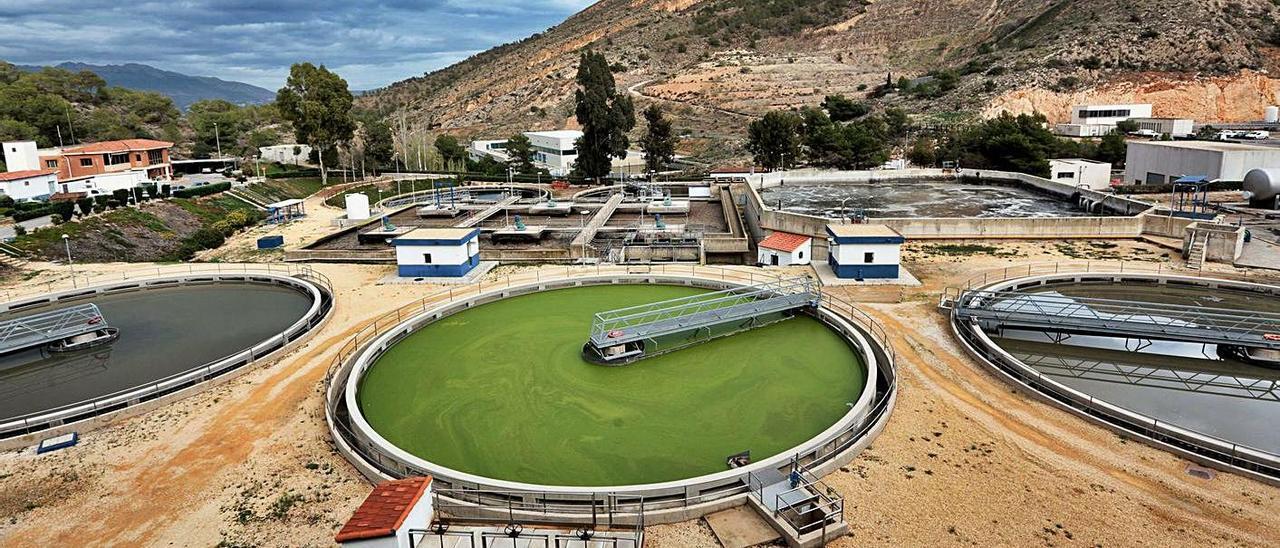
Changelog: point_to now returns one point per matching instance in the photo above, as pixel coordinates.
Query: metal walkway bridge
(472, 221)
(1053, 312)
(743, 306)
(46, 327)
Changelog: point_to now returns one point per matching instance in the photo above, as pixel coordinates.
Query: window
(113, 159)
(86, 162)
(137, 157)
(1066, 175)
(426, 258)
(800, 255)
(51, 164)
(869, 257)
(155, 156)
(1115, 113)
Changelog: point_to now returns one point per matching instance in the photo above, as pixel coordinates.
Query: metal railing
(129, 280)
(49, 326)
(347, 441)
(1119, 317)
(83, 279)
(1091, 267)
(613, 327)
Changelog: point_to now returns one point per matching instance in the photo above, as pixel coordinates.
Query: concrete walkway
(1260, 254)
(8, 233)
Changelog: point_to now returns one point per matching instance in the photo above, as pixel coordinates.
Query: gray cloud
(369, 44)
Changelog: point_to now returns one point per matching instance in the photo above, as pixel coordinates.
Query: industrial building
(1174, 127)
(437, 252)
(1079, 172)
(556, 151)
(1099, 120)
(1161, 162)
(864, 251)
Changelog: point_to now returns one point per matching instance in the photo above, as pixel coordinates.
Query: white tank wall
(21, 156)
(1271, 115)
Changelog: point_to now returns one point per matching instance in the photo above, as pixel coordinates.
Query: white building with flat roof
(437, 252)
(556, 151)
(1162, 162)
(285, 154)
(1175, 127)
(1099, 120)
(29, 184)
(864, 251)
(1079, 172)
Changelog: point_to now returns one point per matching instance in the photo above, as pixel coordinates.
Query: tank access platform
(625, 335)
(1142, 321)
(50, 327)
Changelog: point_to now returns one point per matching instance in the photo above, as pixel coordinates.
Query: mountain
(718, 63)
(182, 88)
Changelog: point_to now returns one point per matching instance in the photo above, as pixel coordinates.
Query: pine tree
(520, 150)
(605, 116)
(318, 104)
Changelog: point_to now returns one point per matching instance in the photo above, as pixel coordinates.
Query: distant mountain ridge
(184, 89)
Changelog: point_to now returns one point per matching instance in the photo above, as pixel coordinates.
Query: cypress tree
(604, 114)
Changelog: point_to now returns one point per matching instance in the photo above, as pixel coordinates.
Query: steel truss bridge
(744, 307)
(51, 326)
(994, 310)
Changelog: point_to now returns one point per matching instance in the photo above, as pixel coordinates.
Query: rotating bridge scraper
(50, 327)
(625, 335)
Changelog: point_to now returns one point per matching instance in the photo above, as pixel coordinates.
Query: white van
(1258, 135)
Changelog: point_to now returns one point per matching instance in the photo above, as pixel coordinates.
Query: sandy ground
(965, 458)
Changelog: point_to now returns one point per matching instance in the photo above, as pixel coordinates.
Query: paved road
(7, 232)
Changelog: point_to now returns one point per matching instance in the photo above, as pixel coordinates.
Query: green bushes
(294, 173)
(195, 192)
(205, 238)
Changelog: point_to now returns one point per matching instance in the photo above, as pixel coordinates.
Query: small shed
(862, 251)
(785, 249)
(385, 517)
(437, 252)
(286, 210)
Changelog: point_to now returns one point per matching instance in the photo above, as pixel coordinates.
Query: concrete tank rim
(366, 355)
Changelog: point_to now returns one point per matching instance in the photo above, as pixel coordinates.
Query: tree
(318, 104)
(520, 149)
(604, 114)
(1126, 126)
(450, 150)
(1112, 149)
(922, 153)
(774, 140)
(378, 141)
(659, 141)
(1009, 143)
(843, 109)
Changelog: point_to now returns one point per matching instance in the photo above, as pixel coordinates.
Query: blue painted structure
(437, 253)
(270, 242)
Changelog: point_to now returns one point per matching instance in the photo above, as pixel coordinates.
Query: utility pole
(218, 140)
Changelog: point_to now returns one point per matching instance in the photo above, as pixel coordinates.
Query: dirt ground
(965, 458)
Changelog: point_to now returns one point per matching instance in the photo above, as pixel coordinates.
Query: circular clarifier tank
(170, 332)
(501, 392)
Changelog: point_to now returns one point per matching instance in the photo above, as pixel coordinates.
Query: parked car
(1146, 133)
(1258, 135)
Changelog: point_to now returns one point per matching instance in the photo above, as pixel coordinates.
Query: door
(773, 260)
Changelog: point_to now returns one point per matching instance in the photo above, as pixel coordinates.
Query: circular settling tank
(1185, 394)
(501, 391)
(164, 331)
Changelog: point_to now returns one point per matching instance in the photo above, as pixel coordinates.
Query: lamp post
(218, 140)
(66, 241)
(844, 219)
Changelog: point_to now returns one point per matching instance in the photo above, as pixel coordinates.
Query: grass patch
(964, 250)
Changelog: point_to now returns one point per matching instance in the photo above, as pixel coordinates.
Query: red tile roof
(19, 175)
(385, 510)
(125, 145)
(784, 241)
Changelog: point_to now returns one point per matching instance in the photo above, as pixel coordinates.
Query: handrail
(81, 280)
(1092, 267)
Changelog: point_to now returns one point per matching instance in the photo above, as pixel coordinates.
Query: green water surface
(501, 391)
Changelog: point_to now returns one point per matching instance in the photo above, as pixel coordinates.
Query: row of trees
(842, 134)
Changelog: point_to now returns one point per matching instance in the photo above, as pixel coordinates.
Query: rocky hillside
(718, 62)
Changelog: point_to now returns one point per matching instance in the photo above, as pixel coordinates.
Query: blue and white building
(437, 252)
(864, 251)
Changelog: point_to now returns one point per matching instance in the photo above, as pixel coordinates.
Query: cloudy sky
(371, 44)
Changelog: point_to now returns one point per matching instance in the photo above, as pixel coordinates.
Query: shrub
(6, 201)
(19, 230)
(56, 219)
(195, 192)
(121, 196)
(85, 205)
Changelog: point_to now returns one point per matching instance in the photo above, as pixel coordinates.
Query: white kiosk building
(785, 249)
(437, 252)
(1079, 172)
(862, 251)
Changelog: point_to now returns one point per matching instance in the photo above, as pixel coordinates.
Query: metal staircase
(1195, 253)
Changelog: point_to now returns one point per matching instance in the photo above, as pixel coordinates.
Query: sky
(371, 44)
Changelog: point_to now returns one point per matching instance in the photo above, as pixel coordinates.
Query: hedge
(295, 173)
(197, 191)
